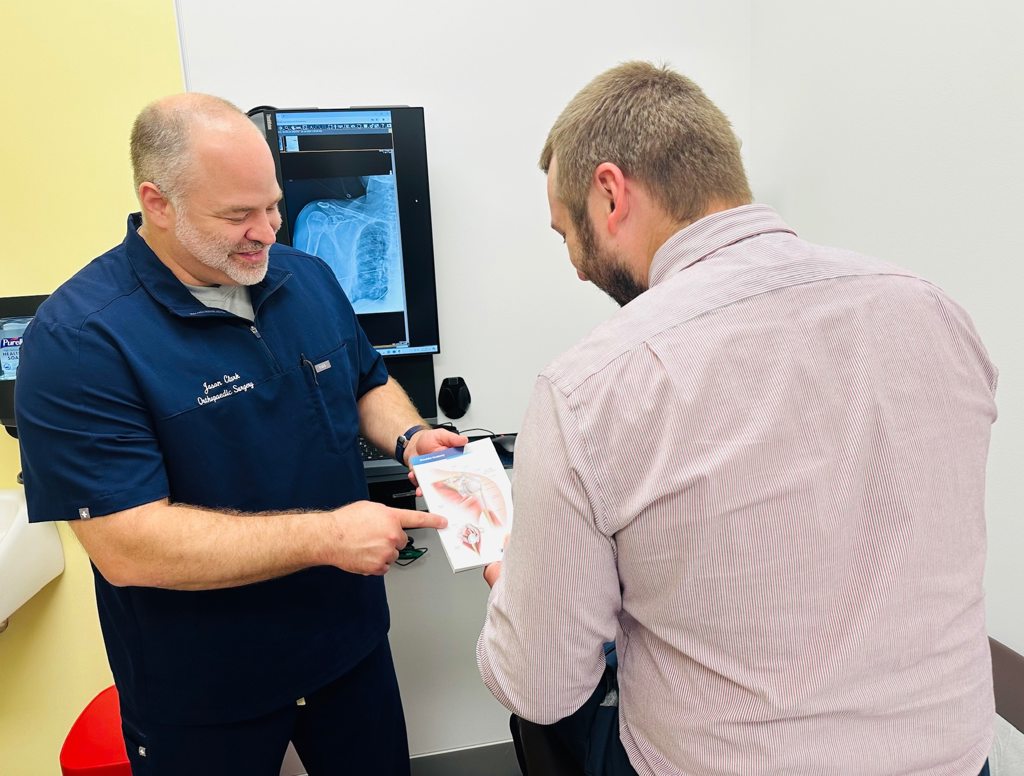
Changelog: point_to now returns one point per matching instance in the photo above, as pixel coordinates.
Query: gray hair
(161, 139)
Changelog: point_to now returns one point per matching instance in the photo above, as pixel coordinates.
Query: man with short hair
(762, 479)
(190, 402)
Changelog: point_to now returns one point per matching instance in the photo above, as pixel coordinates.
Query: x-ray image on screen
(355, 230)
(356, 195)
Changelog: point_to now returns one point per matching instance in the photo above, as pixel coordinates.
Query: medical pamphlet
(469, 486)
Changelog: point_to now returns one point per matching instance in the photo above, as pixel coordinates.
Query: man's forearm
(384, 413)
(187, 548)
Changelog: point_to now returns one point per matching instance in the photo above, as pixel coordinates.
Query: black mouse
(506, 442)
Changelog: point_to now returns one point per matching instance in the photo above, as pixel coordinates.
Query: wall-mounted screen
(356, 195)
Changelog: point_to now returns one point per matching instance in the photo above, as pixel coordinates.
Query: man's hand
(491, 573)
(367, 536)
(428, 441)
(493, 570)
(432, 439)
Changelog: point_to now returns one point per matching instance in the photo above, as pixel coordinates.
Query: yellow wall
(74, 76)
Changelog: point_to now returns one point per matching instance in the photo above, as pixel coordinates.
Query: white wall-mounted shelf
(31, 555)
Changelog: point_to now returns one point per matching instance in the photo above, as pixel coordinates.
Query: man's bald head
(162, 138)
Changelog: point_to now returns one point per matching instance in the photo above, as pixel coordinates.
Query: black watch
(403, 442)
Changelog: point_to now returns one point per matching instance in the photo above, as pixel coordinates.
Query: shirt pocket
(329, 379)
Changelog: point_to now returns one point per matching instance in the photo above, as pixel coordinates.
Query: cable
(259, 108)
(410, 554)
(485, 430)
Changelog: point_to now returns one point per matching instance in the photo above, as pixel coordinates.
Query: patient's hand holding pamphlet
(469, 486)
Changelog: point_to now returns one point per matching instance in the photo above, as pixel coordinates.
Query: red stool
(95, 744)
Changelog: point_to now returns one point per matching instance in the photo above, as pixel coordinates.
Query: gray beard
(215, 255)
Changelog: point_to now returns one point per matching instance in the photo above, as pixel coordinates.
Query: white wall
(491, 78)
(894, 127)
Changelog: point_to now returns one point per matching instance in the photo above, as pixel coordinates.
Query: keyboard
(377, 464)
(369, 452)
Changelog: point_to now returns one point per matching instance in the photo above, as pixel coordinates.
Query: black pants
(585, 743)
(352, 726)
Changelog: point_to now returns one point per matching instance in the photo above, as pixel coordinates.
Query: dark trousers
(352, 726)
(585, 743)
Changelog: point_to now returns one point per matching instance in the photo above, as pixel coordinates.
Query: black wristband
(403, 442)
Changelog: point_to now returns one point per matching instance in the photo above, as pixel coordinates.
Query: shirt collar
(157, 278)
(710, 234)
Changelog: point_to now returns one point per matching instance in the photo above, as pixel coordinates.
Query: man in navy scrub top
(190, 402)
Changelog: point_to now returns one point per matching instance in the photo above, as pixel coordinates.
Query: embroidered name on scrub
(229, 385)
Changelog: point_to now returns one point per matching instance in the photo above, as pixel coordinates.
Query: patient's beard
(605, 269)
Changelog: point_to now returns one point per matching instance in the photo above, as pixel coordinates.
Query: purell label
(9, 350)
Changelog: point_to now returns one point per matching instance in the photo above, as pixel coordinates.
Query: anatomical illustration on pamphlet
(469, 486)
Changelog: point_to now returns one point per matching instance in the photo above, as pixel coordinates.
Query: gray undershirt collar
(234, 299)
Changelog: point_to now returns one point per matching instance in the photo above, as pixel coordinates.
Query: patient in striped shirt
(762, 480)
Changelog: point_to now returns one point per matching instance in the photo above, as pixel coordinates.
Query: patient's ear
(613, 194)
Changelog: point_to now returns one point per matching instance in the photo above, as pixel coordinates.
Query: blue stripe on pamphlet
(440, 455)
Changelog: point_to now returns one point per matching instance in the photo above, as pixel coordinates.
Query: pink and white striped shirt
(763, 478)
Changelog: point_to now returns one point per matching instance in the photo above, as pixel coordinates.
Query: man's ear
(610, 183)
(156, 208)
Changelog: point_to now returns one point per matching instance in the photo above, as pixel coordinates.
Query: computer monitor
(356, 195)
(15, 314)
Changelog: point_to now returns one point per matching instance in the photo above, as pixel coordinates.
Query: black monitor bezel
(412, 183)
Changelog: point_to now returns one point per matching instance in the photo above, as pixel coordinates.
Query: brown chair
(1008, 676)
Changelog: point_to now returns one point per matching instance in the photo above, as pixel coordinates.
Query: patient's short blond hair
(660, 129)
